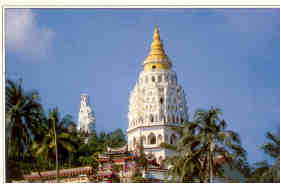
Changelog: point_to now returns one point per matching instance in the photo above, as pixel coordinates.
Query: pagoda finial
(156, 59)
(156, 35)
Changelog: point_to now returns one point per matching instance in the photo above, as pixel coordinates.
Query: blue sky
(229, 58)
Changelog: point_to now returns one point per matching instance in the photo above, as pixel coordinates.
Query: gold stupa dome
(157, 58)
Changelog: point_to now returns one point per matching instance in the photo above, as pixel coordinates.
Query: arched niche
(173, 139)
(151, 139)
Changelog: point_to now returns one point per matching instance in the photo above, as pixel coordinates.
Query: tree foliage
(44, 144)
(202, 141)
(23, 113)
(263, 171)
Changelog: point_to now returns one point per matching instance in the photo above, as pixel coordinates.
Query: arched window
(134, 141)
(155, 117)
(159, 139)
(161, 100)
(151, 118)
(151, 138)
(173, 139)
(153, 67)
(153, 79)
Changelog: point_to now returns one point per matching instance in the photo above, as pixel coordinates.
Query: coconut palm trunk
(211, 167)
(56, 148)
(55, 136)
(212, 147)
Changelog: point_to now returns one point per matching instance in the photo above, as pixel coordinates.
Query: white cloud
(24, 36)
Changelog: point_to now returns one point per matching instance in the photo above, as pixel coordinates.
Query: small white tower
(86, 119)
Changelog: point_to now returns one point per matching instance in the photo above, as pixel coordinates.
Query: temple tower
(86, 120)
(156, 104)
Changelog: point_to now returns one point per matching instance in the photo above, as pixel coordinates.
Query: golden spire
(156, 59)
(156, 35)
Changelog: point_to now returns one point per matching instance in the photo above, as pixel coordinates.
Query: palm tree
(23, 112)
(202, 141)
(216, 142)
(55, 139)
(272, 147)
(22, 115)
(263, 171)
(186, 165)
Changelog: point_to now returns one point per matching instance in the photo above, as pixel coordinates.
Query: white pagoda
(156, 104)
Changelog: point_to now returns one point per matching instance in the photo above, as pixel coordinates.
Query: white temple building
(156, 104)
(86, 118)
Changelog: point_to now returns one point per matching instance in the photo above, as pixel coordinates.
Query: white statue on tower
(86, 120)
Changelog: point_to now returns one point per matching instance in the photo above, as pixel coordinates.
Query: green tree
(201, 143)
(216, 141)
(185, 166)
(55, 137)
(22, 115)
(116, 138)
(265, 172)
(23, 112)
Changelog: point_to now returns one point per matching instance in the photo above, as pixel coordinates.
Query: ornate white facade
(86, 120)
(156, 103)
